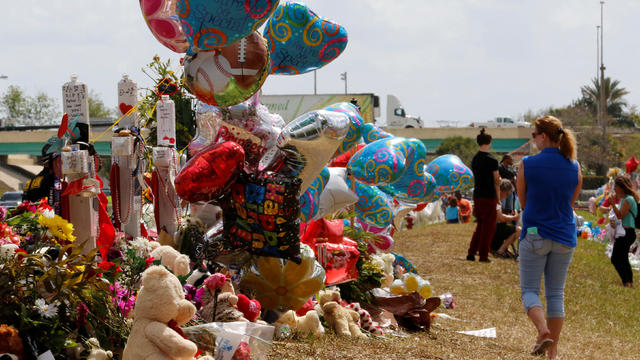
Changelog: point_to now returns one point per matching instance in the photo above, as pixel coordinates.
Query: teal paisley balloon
(354, 134)
(301, 41)
(416, 185)
(373, 207)
(371, 133)
(310, 199)
(382, 162)
(450, 173)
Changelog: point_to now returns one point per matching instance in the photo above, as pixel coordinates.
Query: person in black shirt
(506, 172)
(485, 198)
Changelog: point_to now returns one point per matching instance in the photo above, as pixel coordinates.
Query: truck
(501, 122)
(292, 106)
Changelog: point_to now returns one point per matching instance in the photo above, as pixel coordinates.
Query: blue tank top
(551, 180)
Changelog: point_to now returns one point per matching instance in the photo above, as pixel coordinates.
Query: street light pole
(343, 76)
(598, 52)
(3, 77)
(603, 104)
(315, 79)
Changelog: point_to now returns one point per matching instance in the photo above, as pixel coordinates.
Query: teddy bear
(303, 325)
(97, 353)
(385, 262)
(173, 259)
(10, 342)
(344, 321)
(160, 308)
(226, 309)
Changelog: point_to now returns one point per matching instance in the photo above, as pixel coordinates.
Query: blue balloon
(373, 207)
(382, 162)
(354, 134)
(301, 41)
(450, 172)
(310, 199)
(416, 185)
(210, 25)
(371, 133)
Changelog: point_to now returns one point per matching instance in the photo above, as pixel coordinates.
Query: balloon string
(135, 108)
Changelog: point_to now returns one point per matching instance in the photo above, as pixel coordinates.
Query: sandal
(541, 348)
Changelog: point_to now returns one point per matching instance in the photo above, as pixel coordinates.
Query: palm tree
(613, 94)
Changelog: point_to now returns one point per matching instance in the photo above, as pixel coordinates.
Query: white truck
(501, 122)
(292, 106)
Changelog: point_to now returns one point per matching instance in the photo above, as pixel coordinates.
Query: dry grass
(602, 318)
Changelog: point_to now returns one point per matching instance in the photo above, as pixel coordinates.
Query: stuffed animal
(303, 325)
(97, 353)
(160, 307)
(171, 258)
(365, 319)
(385, 262)
(343, 321)
(250, 308)
(10, 342)
(226, 308)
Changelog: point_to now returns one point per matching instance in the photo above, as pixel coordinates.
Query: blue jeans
(544, 256)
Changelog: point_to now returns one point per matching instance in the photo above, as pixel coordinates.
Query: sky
(451, 60)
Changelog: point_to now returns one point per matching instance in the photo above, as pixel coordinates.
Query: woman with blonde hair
(548, 184)
(626, 210)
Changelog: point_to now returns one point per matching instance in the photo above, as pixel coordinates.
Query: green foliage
(464, 147)
(21, 109)
(370, 276)
(613, 93)
(185, 113)
(97, 109)
(597, 154)
(593, 181)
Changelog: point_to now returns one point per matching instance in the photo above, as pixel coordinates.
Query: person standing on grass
(485, 198)
(626, 210)
(548, 185)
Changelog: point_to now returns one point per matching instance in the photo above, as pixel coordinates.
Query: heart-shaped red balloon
(208, 174)
(250, 308)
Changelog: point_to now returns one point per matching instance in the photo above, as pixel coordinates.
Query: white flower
(46, 310)
(141, 246)
(49, 213)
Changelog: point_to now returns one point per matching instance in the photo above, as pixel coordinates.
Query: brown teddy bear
(303, 325)
(344, 321)
(10, 342)
(160, 303)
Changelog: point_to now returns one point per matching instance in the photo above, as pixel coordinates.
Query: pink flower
(215, 281)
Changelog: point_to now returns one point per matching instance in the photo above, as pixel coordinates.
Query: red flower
(149, 261)
(106, 265)
(215, 281)
(19, 253)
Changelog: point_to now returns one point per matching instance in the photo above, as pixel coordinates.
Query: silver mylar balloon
(306, 145)
(207, 117)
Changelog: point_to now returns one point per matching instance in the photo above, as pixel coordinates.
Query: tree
(464, 147)
(97, 109)
(20, 109)
(613, 94)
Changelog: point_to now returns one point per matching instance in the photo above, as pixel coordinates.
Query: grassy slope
(602, 320)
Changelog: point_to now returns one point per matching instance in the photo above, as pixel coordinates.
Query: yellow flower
(59, 228)
(285, 284)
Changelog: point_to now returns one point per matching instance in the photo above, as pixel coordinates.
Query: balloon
(382, 162)
(306, 145)
(382, 241)
(261, 214)
(450, 172)
(160, 16)
(415, 185)
(631, 164)
(355, 125)
(372, 206)
(336, 194)
(310, 199)
(207, 118)
(371, 133)
(210, 25)
(229, 75)
(301, 41)
(343, 160)
(208, 174)
(279, 284)
(252, 126)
